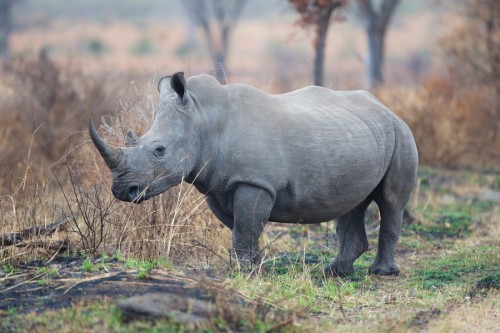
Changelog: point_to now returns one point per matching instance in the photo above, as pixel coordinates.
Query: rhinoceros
(307, 156)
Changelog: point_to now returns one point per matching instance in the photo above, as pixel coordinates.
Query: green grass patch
(462, 268)
(96, 317)
(50, 271)
(144, 267)
(88, 265)
(296, 282)
(489, 281)
(9, 268)
(450, 221)
(444, 222)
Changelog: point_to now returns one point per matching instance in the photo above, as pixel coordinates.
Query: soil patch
(32, 288)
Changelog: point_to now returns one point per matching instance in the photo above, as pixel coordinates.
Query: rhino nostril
(133, 191)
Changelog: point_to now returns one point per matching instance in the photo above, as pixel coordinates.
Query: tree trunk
(320, 45)
(219, 59)
(5, 28)
(376, 23)
(375, 58)
(220, 55)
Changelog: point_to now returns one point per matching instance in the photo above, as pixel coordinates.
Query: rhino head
(164, 155)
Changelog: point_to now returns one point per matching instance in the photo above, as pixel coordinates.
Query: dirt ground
(448, 253)
(24, 291)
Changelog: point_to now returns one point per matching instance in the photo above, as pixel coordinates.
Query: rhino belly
(318, 212)
(325, 199)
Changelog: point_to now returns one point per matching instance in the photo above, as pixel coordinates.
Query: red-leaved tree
(318, 13)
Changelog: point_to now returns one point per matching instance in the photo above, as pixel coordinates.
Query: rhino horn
(130, 139)
(110, 154)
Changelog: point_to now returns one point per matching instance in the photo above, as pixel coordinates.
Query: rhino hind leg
(385, 260)
(391, 196)
(353, 242)
(391, 206)
(251, 210)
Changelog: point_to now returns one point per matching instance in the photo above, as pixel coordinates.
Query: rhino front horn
(110, 154)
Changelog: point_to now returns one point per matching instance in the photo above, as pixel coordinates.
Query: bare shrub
(453, 125)
(46, 105)
(473, 47)
(44, 123)
(43, 104)
(30, 204)
(175, 225)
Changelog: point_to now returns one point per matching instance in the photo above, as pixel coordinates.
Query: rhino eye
(159, 151)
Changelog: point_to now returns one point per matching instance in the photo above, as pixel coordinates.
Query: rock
(490, 195)
(183, 310)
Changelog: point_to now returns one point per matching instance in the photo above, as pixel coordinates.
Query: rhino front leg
(216, 208)
(251, 210)
(352, 238)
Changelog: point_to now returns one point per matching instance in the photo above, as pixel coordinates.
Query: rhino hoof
(390, 270)
(336, 270)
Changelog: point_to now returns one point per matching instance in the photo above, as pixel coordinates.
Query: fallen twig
(81, 280)
(24, 282)
(15, 238)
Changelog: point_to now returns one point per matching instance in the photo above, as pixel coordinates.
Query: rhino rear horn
(110, 154)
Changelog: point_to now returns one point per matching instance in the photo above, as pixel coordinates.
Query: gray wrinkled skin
(307, 156)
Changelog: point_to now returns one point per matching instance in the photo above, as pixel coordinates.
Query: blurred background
(435, 63)
(267, 43)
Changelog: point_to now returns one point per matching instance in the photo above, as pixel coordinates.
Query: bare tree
(318, 13)
(376, 23)
(473, 48)
(5, 28)
(217, 19)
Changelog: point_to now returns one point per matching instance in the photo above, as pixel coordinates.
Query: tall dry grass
(50, 171)
(42, 106)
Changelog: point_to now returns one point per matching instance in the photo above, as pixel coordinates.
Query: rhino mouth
(130, 193)
(135, 195)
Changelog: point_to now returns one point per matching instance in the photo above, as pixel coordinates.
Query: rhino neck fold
(207, 164)
(201, 175)
(212, 107)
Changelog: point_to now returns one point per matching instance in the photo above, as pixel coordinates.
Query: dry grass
(55, 172)
(476, 316)
(175, 225)
(45, 106)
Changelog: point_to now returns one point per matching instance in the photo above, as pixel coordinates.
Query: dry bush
(175, 225)
(41, 105)
(44, 106)
(454, 126)
(455, 117)
(51, 170)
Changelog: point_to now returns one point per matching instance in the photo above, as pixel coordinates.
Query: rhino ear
(175, 83)
(164, 87)
(178, 84)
